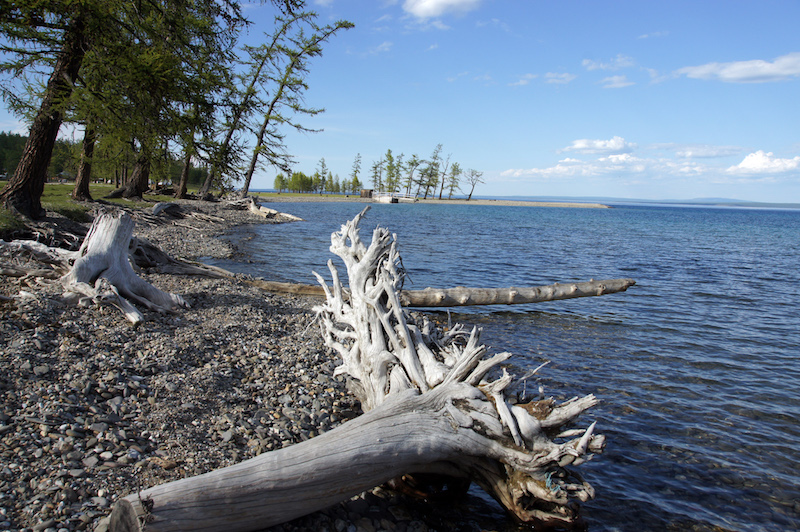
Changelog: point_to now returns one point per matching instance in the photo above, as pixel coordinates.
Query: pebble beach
(93, 409)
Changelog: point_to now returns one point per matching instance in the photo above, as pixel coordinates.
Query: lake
(696, 366)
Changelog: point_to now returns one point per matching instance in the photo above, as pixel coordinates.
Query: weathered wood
(430, 408)
(463, 296)
(266, 212)
(386, 352)
(100, 271)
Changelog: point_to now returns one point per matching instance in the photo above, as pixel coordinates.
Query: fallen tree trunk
(462, 296)
(266, 212)
(411, 432)
(431, 407)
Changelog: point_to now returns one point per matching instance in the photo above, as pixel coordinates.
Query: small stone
(44, 369)
(102, 502)
(99, 427)
(44, 525)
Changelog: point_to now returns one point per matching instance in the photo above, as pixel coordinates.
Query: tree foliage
(150, 79)
(286, 70)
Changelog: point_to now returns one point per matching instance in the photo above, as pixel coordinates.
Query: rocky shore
(92, 409)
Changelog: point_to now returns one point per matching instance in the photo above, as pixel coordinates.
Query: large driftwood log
(434, 403)
(461, 296)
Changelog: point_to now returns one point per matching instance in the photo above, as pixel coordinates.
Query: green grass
(56, 198)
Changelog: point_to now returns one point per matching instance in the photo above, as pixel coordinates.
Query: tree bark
(24, 190)
(184, 182)
(136, 183)
(81, 190)
(203, 192)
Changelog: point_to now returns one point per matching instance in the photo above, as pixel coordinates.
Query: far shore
(296, 198)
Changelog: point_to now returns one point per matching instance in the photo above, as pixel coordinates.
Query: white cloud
(559, 78)
(616, 82)
(702, 151)
(497, 23)
(756, 71)
(436, 8)
(383, 47)
(621, 61)
(524, 80)
(613, 166)
(615, 145)
(762, 162)
(653, 35)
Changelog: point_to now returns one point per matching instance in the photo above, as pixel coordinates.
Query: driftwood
(435, 403)
(266, 212)
(461, 296)
(100, 271)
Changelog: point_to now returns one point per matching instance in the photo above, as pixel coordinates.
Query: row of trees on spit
(154, 79)
(391, 174)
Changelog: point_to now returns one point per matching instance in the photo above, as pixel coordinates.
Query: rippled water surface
(696, 366)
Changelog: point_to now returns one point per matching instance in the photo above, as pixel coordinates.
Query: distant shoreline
(303, 198)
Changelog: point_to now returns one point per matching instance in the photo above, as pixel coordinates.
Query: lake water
(696, 366)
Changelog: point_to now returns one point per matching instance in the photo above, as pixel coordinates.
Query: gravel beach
(93, 409)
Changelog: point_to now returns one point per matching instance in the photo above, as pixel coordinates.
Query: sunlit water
(696, 366)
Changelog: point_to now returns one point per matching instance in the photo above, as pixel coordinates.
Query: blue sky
(651, 100)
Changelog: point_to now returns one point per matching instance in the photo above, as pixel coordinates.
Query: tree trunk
(430, 408)
(184, 182)
(463, 297)
(24, 190)
(103, 261)
(82, 180)
(136, 183)
(203, 192)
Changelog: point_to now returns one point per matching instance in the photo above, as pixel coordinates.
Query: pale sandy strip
(284, 198)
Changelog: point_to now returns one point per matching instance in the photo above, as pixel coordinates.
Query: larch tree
(53, 34)
(410, 167)
(90, 47)
(244, 98)
(443, 174)
(377, 174)
(429, 176)
(453, 180)
(355, 184)
(474, 178)
(286, 72)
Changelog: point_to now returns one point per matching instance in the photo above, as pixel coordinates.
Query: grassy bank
(56, 198)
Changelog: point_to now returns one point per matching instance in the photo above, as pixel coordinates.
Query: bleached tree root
(522, 449)
(100, 271)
